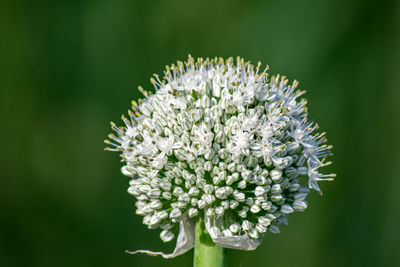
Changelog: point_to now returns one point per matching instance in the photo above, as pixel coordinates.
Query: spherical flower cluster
(220, 139)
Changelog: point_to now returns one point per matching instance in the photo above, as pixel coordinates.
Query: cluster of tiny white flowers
(220, 138)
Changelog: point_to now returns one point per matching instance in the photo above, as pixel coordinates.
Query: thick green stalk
(206, 253)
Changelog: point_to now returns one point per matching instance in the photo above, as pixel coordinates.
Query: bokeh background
(67, 68)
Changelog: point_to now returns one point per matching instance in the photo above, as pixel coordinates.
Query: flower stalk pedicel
(219, 142)
(206, 252)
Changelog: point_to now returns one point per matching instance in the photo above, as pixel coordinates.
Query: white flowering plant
(221, 144)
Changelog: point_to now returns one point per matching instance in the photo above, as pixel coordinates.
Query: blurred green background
(67, 68)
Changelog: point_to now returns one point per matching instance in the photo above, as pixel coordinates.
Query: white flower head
(220, 139)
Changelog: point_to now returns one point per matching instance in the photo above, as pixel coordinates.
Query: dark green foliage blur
(67, 68)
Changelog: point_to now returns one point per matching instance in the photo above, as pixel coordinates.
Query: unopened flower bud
(166, 236)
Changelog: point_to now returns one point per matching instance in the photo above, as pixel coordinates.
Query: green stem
(206, 253)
